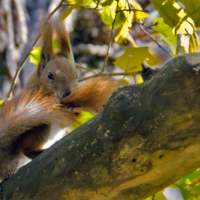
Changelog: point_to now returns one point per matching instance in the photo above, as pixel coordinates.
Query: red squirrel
(51, 96)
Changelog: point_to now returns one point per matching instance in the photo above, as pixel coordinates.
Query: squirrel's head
(57, 72)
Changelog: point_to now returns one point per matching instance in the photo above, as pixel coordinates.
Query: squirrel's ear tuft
(63, 40)
(46, 36)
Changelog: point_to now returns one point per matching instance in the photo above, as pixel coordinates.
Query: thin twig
(154, 39)
(107, 74)
(21, 65)
(132, 9)
(90, 8)
(56, 8)
(19, 70)
(110, 40)
(129, 5)
(98, 2)
(143, 24)
(78, 65)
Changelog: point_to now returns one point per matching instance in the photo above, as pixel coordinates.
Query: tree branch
(132, 9)
(89, 70)
(108, 74)
(145, 132)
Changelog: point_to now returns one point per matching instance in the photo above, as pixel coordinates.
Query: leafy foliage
(192, 8)
(168, 37)
(34, 56)
(174, 16)
(85, 116)
(69, 10)
(1, 101)
(132, 58)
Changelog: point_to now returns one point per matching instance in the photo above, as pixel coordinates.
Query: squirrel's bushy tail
(93, 95)
(19, 120)
(31, 110)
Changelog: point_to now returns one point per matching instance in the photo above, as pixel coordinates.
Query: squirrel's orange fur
(21, 121)
(92, 96)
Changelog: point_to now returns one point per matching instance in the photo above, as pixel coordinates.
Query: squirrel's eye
(50, 75)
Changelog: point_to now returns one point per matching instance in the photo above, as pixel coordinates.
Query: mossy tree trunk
(147, 137)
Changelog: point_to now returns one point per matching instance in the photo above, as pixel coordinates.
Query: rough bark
(147, 137)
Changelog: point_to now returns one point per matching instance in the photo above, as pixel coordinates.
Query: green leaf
(189, 179)
(55, 45)
(120, 19)
(132, 59)
(149, 198)
(189, 43)
(1, 101)
(174, 16)
(86, 3)
(190, 184)
(125, 28)
(159, 196)
(85, 116)
(108, 13)
(186, 195)
(192, 8)
(34, 56)
(168, 37)
(123, 82)
(194, 43)
(153, 60)
(107, 2)
(140, 79)
(138, 14)
(69, 10)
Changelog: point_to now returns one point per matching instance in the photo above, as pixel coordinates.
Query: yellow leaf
(120, 19)
(189, 43)
(123, 82)
(85, 116)
(185, 26)
(192, 8)
(1, 101)
(69, 10)
(34, 56)
(174, 16)
(108, 13)
(168, 37)
(132, 59)
(140, 80)
(88, 3)
(153, 60)
(194, 43)
(125, 28)
(139, 14)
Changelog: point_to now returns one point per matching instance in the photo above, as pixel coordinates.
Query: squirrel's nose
(66, 94)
